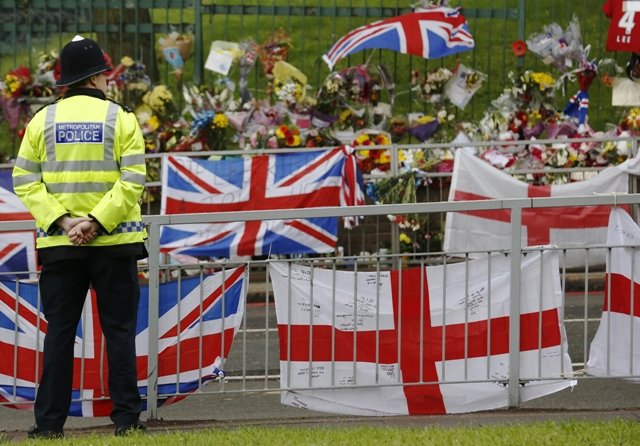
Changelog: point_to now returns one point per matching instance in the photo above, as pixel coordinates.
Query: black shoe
(127, 429)
(36, 432)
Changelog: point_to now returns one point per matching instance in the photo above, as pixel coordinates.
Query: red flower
(445, 166)
(519, 48)
(289, 139)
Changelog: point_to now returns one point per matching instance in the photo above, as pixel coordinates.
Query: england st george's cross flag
(430, 33)
(614, 350)
(183, 366)
(263, 182)
(571, 227)
(389, 338)
(17, 248)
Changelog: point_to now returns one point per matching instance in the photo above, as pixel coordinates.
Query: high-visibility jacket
(83, 156)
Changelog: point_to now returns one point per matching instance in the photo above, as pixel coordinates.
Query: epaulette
(124, 107)
(50, 103)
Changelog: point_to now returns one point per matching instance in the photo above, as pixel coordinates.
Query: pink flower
(272, 142)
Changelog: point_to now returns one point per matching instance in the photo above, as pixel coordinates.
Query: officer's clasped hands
(80, 230)
(83, 232)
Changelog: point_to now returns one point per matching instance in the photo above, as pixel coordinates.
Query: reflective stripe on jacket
(83, 156)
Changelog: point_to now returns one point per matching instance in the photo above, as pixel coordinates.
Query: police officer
(80, 171)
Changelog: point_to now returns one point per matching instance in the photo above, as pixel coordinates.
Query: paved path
(592, 399)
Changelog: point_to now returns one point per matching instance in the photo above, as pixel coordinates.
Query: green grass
(540, 434)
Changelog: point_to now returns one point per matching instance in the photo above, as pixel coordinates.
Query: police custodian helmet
(80, 59)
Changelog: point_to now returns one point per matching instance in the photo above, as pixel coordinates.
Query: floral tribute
(356, 105)
(274, 49)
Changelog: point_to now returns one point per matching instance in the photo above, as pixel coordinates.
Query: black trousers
(63, 288)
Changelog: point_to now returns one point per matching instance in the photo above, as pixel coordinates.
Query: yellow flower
(385, 157)
(362, 138)
(220, 121)
(345, 115)
(382, 140)
(296, 141)
(158, 98)
(404, 238)
(152, 123)
(127, 61)
(12, 82)
(544, 80)
(149, 145)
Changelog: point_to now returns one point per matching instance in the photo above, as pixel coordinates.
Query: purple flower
(424, 131)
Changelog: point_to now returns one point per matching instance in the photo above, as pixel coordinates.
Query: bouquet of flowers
(557, 47)
(438, 128)
(210, 128)
(613, 152)
(357, 85)
(398, 128)
(608, 70)
(423, 127)
(320, 138)
(160, 100)
(430, 87)
(415, 234)
(274, 49)
(176, 48)
(258, 138)
(351, 120)
(46, 74)
(373, 160)
(289, 84)
(15, 110)
(328, 99)
(533, 89)
(631, 122)
(288, 135)
(16, 81)
(131, 82)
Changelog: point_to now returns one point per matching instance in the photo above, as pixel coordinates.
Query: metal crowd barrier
(253, 365)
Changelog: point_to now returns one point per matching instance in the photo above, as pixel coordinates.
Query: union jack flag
(17, 249)
(189, 309)
(429, 33)
(11, 208)
(282, 181)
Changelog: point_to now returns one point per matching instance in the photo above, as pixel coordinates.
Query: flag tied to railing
(367, 343)
(429, 33)
(263, 182)
(17, 248)
(614, 350)
(197, 323)
(570, 227)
